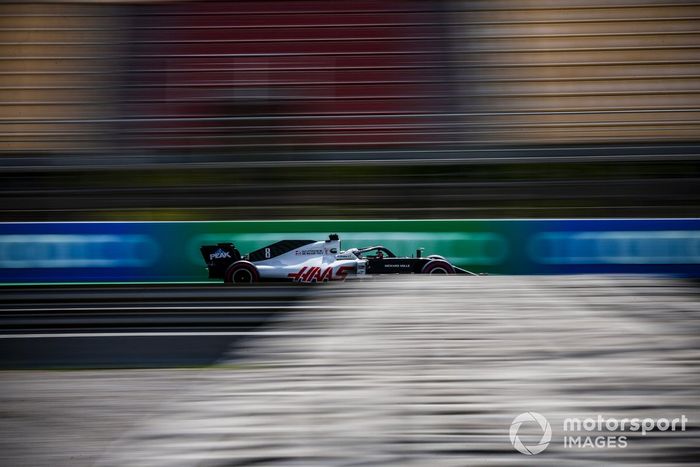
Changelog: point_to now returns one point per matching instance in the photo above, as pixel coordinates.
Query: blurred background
(398, 112)
(199, 110)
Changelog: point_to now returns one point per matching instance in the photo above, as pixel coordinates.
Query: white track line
(180, 307)
(155, 334)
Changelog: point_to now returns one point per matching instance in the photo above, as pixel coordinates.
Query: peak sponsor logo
(318, 274)
(219, 254)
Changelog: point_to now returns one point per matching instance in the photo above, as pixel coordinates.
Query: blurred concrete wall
(236, 77)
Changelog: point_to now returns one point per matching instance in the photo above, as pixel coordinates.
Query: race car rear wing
(218, 258)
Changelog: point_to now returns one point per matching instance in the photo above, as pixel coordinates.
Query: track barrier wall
(66, 252)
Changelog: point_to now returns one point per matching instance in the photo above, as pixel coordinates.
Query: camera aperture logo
(529, 417)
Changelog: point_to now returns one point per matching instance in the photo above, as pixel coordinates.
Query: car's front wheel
(242, 272)
(438, 266)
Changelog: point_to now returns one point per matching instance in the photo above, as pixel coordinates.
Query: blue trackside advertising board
(67, 252)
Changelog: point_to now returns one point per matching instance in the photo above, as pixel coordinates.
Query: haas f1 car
(311, 261)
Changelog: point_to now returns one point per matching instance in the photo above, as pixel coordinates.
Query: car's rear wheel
(438, 267)
(242, 272)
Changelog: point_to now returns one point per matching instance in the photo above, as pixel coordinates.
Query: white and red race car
(312, 261)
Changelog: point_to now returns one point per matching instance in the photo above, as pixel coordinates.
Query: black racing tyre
(438, 266)
(242, 272)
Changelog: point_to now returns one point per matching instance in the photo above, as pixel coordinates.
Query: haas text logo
(317, 274)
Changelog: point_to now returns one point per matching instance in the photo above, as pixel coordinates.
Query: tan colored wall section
(579, 71)
(55, 68)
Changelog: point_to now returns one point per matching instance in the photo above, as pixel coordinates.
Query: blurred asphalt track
(410, 371)
(131, 326)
